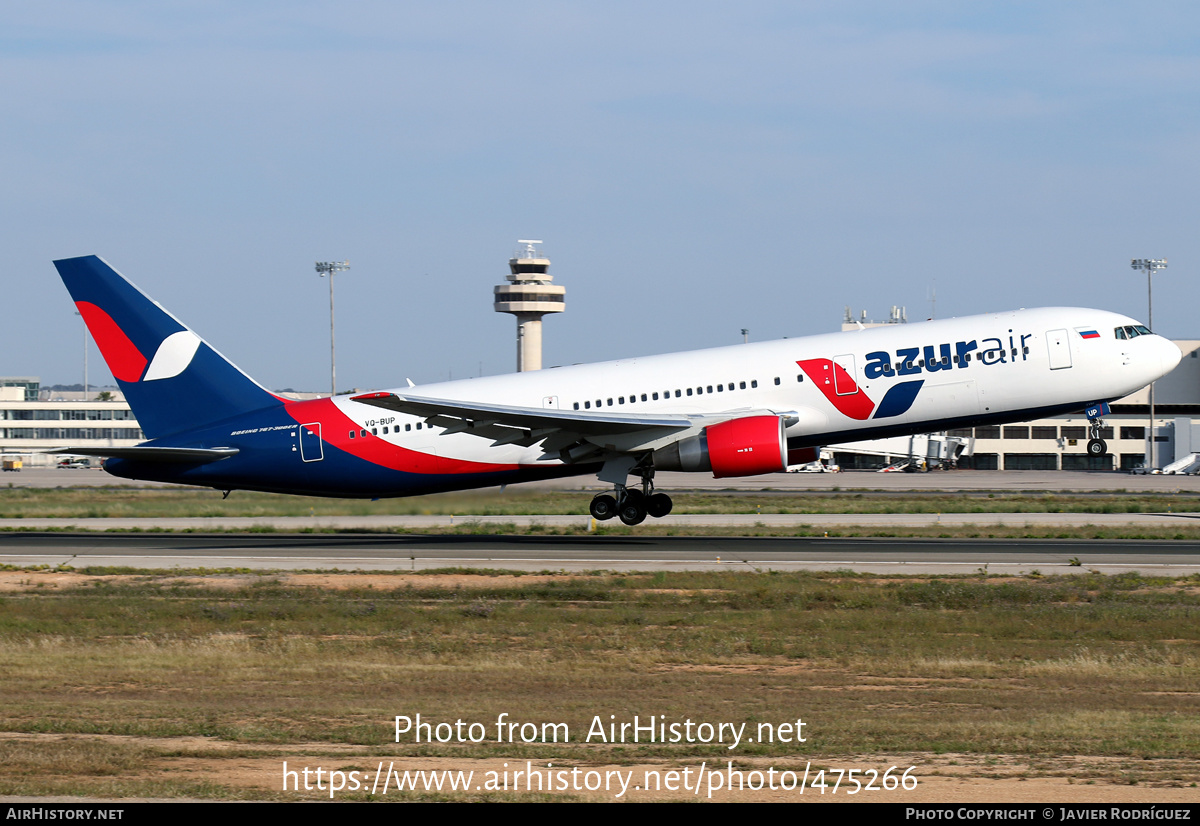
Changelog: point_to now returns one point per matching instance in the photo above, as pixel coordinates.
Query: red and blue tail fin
(173, 379)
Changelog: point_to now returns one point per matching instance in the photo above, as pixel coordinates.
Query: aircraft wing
(555, 429)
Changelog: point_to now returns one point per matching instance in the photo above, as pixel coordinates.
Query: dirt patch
(745, 668)
(391, 582)
(257, 771)
(25, 580)
(15, 581)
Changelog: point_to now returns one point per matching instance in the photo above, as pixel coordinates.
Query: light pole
(329, 268)
(1150, 266)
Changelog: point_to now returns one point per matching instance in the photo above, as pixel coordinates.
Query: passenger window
(408, 427)
(418, 425)
(656, 396)
(678, 394)
(587, 405)
(363, 433)
(644, 396)
(777, 380)
(720, 388)
(621, 399)
(610, 402)
(742, 385)
(754, 382)
(799, 377)
(689, 391)
(352, 434)
(576, 405)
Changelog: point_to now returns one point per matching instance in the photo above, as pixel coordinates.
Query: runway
(286, 548)
(586, 553)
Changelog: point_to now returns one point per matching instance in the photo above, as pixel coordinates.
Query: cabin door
(311, 449)
(845, 381)
(1059, 347)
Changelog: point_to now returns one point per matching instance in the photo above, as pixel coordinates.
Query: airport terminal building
(34, 420)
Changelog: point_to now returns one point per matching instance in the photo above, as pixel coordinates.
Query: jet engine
(738, 447)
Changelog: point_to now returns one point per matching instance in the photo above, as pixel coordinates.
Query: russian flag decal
(1087, 333)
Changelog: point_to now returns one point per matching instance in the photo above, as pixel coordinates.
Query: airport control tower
(529, 295)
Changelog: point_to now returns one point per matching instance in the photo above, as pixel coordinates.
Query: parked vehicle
(815, 467)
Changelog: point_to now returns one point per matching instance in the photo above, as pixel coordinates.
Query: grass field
(17, 504)
(169, 685)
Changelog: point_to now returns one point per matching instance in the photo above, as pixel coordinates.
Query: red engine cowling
(747, 447)
(739, 447)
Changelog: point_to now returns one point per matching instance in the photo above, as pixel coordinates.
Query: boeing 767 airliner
(732, 411)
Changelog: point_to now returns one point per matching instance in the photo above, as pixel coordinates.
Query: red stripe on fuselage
(124, 359)
(828, 377)
(335, 431)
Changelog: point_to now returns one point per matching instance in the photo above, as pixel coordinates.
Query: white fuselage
(880, 381)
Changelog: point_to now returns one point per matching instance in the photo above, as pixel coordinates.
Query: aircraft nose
(1171, 356)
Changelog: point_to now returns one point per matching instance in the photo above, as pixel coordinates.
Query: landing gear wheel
(659, 505)
(633, 511)
(1096, 447)
(604, 507)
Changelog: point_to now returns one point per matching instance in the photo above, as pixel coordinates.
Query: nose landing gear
(1096, 446)
(630, 504)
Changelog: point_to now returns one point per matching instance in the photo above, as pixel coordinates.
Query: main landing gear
(1096, 446)
(630, 504)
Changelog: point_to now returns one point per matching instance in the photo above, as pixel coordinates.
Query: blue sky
(694, 168)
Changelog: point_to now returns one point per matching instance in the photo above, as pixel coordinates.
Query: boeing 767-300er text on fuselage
(732, 411)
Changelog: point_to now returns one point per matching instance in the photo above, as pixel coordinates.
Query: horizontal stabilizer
(183, 455)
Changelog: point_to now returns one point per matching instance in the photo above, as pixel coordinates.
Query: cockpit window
(1132, 331)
